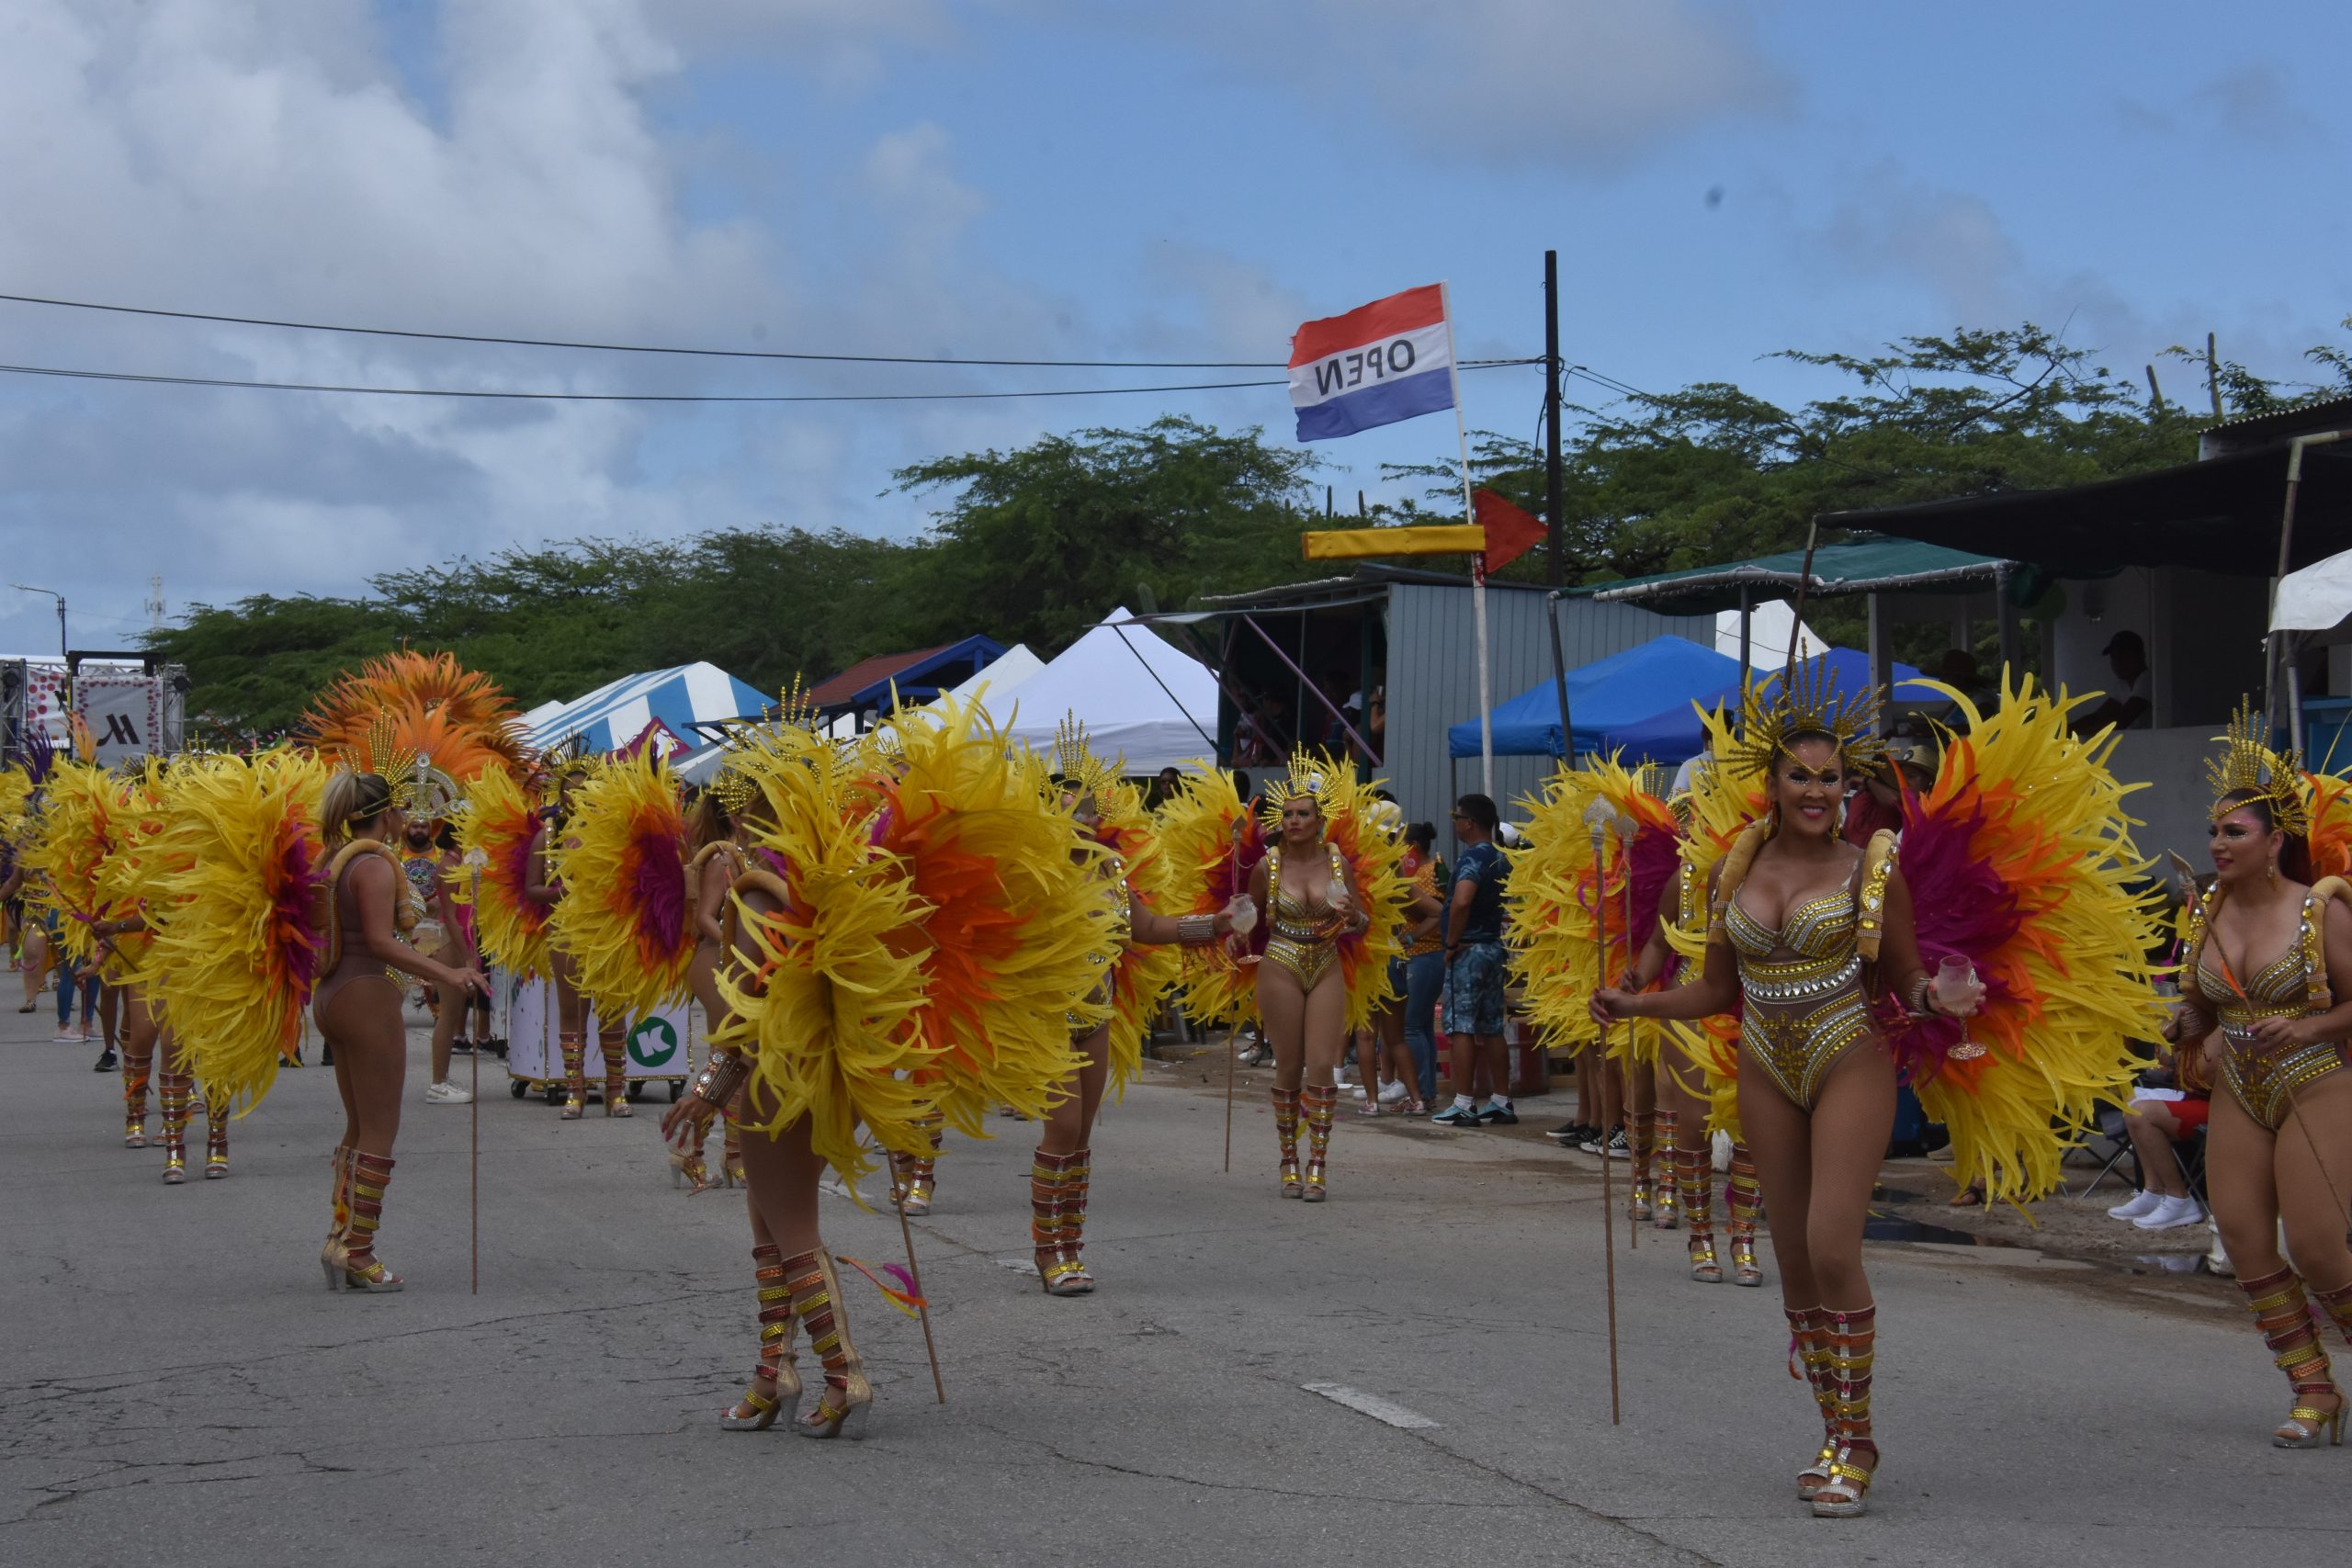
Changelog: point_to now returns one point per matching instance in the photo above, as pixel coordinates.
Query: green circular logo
(653, 1042)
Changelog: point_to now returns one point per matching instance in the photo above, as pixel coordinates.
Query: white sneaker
(2143, 1202)
(1392, 1091)
(2171, 1213)
(447, 1094)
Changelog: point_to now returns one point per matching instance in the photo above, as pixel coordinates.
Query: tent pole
(2006, 614)
(1881, 655)
(1560, 676)
(2270, 643)
(1747, 629)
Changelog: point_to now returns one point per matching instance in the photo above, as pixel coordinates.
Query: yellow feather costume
(623, 919)
(939, 943)
(82, 812)
(499, 823)
(1207, 868)
(1142, 974)
(238, 951)
(2019, 858)
(1561, 950)
(1352, 819)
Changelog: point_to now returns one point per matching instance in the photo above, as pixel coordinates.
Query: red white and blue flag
(1389, 360)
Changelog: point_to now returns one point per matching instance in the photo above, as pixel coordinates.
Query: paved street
(180, 1389)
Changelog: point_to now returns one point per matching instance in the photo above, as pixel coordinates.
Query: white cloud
(265, 157)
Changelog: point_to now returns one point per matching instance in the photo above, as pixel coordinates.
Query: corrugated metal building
(1412, 632)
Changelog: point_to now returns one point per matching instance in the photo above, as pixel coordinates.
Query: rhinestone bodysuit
(1802, 984)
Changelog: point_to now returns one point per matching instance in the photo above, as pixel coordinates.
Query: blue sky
(1041, 177)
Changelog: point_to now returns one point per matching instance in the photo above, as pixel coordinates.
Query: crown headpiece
(2248, 765)
(417, 787)
(1806, 702)
(796, 705)
(1309, 777)
(1075, 761)
(735, 790)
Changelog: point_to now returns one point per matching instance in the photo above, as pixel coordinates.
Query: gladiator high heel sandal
(1851, 1336)
(2339, 1306)
(1694, 1174)
(1286, 1134)
(174, 1091)
(216, 1139)
(1317, 1106)
(1743, 1198)
(575, 1080)
(1668, 1215)
(1075, 1180)
(134, 1102)
(755, 1412)
(1641, 1136)
(913, 1188)
(1048, 1199)
(1809, 1361)
(2280, 1313)
(370, 1174)
(817, 1302)
(339, 1216)
(616, 1053)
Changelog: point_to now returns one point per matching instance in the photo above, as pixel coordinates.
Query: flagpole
(1478, 564)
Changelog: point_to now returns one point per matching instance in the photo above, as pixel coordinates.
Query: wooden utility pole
(2213, 376)
(1554, 484)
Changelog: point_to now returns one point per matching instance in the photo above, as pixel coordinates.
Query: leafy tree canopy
(1034, 544)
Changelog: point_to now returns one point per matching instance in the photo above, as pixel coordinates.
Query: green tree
(1034, 544)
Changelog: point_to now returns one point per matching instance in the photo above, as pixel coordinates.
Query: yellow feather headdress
(2248, 765)
(1806, 702)
(798, 719)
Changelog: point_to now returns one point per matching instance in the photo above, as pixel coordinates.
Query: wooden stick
(922, 1307)
(1231, 1030)
(473, 1170)
(1625, 839)
(1607, 1197)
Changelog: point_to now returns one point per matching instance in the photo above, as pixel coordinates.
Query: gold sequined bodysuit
(2262, 1079)
(1802, 985)
(1305, 931)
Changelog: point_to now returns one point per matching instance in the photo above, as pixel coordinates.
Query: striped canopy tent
(612, 715)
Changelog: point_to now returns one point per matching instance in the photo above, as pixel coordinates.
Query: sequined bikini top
(1830, 935)
(2293, 985)
(1310, 919)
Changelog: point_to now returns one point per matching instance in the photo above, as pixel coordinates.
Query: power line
(702, 353)
(159, 380)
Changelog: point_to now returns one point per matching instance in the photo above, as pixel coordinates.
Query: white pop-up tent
(995, 681)
(2316, 599)
(1137, 697)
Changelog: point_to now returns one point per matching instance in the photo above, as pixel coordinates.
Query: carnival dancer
(1330, 897)
(907, 939)
(2269, 955)
(621, 928)
(357, 1002)
(1110, 815)
(70, 868)
(2020, 853)
(566, 774)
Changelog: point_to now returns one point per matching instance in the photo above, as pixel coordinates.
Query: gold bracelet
(721, 1076)
(1195, 931)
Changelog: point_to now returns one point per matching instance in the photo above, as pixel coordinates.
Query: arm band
(721, 1076)
(1195, 931)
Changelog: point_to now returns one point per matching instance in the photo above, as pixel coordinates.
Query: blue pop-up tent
(1666, 673)
(1675, 734)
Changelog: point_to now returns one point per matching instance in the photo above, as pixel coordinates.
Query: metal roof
(1871, 566)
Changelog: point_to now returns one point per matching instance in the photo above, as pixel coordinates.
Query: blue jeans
(65, 994)
(1418, 981)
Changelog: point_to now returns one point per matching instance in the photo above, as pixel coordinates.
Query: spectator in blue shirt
(1476, 970)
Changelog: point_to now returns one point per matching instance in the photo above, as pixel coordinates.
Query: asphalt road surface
(1416, 1372)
